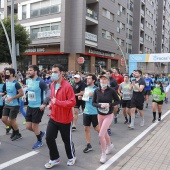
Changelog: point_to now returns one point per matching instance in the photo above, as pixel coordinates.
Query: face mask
(103, 85)
(7, 76)
(54, 76)
(157, 85)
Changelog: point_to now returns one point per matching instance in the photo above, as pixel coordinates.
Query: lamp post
(122, 53)
(6, 34)
(14, 63)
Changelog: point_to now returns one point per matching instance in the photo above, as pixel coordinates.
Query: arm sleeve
(94, 102)
(70, 102)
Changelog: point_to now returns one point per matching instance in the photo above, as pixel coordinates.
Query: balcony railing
(90, 36)
(141, 39)
(92, 14)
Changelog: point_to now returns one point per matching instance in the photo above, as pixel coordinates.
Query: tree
(21, 37)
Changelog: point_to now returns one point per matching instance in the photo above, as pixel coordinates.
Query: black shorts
(88, 119)
(10, 111)
(159, 103)
(126, 103)
(34, 115)
(135, 103)
(1, 110)
(147, 92)
(80, 103)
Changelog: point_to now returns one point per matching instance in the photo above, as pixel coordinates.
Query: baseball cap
(105, 75)
(77, 76)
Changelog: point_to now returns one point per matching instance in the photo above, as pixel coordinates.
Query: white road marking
(18, 159)
(128, 146)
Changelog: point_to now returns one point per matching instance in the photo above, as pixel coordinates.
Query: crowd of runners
(100, 97)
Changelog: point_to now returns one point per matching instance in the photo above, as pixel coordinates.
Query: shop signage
(33, 50)
(101, 53)
(80, 60)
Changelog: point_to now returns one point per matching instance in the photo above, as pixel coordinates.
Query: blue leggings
(21, 109)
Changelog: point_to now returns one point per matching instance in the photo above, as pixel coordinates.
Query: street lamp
(121, 52)
(6, 34)
(13, 37)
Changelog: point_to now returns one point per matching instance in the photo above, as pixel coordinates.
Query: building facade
(102, 31)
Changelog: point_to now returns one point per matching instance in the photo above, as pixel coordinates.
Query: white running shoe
(71, 162)
(103, 158)
(51, 163)
(109, 149)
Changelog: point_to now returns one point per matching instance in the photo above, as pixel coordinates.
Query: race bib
(156, 97)
(85, 96)
(126, 95)
(147, 83)
(9, 97)
(103, 110)
(134, 89)
(31, 96)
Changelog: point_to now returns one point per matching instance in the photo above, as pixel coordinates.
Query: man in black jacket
(113, 82)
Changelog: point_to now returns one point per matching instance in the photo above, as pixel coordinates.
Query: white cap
(77, 76)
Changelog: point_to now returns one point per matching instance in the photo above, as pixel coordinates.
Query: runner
(102, 99)
(158, 96)
(36, 103)
(1, 94)
(137, 98)
(11, 109)
(61, 117)
(78, 87)
(147, 89)
(90, 112)
(125, 92)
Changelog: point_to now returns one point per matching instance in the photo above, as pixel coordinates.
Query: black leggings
(66, 134)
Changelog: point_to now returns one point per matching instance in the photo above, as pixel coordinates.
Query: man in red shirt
(117, 76)
(61, 117)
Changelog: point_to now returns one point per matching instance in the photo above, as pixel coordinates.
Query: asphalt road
(121, 136)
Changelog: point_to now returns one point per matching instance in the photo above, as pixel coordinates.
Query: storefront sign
(33, 50)
(80, 60)
(101, 53)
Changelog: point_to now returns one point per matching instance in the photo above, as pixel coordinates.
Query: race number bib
(147, 83)
(31, 96)
(134, 89)
(103, 110)
(9, 97)
(126, 95)
(156, 97)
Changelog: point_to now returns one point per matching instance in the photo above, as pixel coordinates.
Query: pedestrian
(137, 100)
(158, 96)
(37, 89)
(1, 94)
(11, 109)
(103, 99)
(90, 112)
(61, 117)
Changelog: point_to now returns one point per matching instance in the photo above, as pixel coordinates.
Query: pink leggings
(104, 123)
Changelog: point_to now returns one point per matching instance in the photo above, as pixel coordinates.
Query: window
(24, 12)
(108, 35)
(45, 7)
(107, 14)
(120, 42)
(49, 28)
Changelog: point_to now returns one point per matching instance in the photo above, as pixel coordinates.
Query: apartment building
(2, 9)
(150, 31)
(102, 31)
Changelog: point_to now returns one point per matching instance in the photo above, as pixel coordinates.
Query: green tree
(21, 37)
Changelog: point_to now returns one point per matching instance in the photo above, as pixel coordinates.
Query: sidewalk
(153, 153)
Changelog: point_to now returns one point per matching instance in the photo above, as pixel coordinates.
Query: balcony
(141, 40)
(142, 12)
(91, 1)
(90, 39)
(91, 17)
(141, 26)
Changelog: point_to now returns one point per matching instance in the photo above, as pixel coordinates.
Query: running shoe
(154, 120)
(126, 122)
(71, 162)
(73, 128)
(37, 145)
(51, 163)
(131, 127)
(88, 148)
(109, 149)
(12, 135)
(8, 128)
(16, 137)
(103, 158)
(159, 119)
